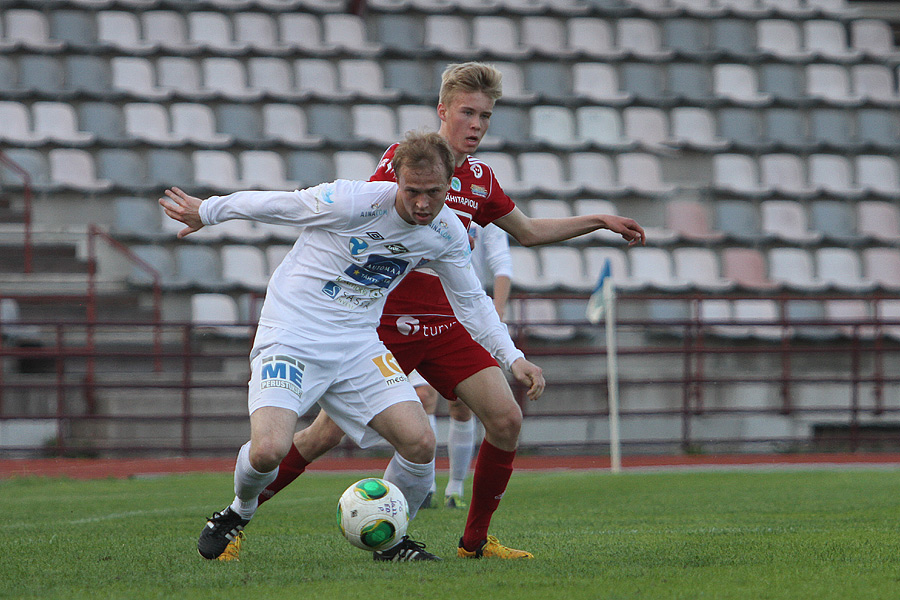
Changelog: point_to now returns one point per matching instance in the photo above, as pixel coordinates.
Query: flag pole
(602, 304)
(612, 377)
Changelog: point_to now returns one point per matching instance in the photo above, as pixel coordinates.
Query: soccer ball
(372, 514)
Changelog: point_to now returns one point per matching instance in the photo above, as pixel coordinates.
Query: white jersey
(354, 250)
(490, 254)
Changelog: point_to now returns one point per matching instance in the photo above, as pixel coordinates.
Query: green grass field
(754, 535)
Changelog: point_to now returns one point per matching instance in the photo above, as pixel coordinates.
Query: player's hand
(183, 208)
(528, 373)
(627, 228)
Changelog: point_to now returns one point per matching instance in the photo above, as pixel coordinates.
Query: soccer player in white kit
(317, 340)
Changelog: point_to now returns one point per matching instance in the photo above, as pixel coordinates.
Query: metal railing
(97, 381)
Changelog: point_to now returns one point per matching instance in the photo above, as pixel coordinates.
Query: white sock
(461, 447)
(248, 483)
(432, 420)
(413, 480)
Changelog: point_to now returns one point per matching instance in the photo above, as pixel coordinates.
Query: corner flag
(602, 303)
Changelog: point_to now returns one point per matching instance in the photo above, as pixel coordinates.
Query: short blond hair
(470, 77)
(424, 150)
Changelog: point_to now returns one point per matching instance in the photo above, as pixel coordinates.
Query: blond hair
(470, 77)
(424, 150)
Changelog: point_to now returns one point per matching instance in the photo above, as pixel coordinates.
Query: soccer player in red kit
(418, 326)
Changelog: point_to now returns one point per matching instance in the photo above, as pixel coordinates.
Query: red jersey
(474, 195)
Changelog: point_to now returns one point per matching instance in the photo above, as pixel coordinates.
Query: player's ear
(442, 111)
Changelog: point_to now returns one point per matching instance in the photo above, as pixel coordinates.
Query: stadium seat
(41, 74)
(746, 268)
(882, 267)
(548, 80)
(827, 38)
(562, 268)
(262, 169)
(699, 268)
(198, 266)
(348, 33)
(735, 37)
(507, 172)
(450, 34)
(545, 172)
(689, 219)
(835, 220)
(364, 78)
(595, 173)
(309, 167)
(878, 175)
(287, 123)
(319, 78)
(546, 35)
(738, 219)
(653, 267)
(75, 169)
(330, 121)
(244, 266)
(126, 170)
(121, 29)
(785, 174)
(197, 123)
(641, 37)
(872, 37)
(169, 30)
(29, 28)
(213, 31)
(510, 125)
(831, 128)
(374, 123)
(878, 220)
(157, 257)
(832, 173)
(793, 268)
(241, 121)
(742, 128)
(303, 31)
(642, 173)
(499, 36)
(787, 220)
(691, 83)
(526, 271)
(227, 77)
(593, 37)
(169, 167)
(874, 83)
(644, 81)
(878, 128)
(137, 218)
(889, 310)
(218, 314)
(695, 128)
(840, 268)
(412, 117)
(600, 125)
(738, 83)
(784, 81)
(595, 258)
(354, 165)
(737, 174)
(275, 254)
(149, 122)
(598, 82)
(181, 75)
(830, 83)
(849, 313)
(137, 76)
(781, 38)
(259, 31)
(648, 126)
(538, 317)
(513, 82)
(17, 128)
(216, 170)
(273, 77)
(686, 37)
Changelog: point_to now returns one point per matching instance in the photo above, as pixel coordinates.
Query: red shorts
(444, 355)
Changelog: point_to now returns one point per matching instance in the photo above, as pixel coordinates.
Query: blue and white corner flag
(602, 295)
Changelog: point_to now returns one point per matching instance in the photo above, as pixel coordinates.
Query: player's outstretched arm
(183, 208)
(528, 373)
(533, 232)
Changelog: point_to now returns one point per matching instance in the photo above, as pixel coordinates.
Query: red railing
(28, 249)
(170, 372)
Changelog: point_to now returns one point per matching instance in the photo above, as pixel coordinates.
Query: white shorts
(352, 377)
(417, 380)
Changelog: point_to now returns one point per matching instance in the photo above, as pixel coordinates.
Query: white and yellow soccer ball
(372, 514)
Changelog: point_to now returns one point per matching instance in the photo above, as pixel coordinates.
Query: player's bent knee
(504, 427)
(265, 455)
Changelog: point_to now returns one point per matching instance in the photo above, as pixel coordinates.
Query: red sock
(493, 468)
(290, 469)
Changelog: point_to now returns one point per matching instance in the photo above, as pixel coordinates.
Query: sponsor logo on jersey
(374, 235)
(282, 371)
(357, 246)
(396, 248)
(389, 368)
(476, 171)
(455, 184)
(470, 202)
(324, 193)
(479, 190)
(373, 213)
(408, 325)
(379, 271)
(331, 289)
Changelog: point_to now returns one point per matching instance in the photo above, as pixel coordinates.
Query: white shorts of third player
(352, 376)
(417, 380)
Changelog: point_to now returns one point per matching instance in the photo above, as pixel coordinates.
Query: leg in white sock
(432, 420)
(412, 479)
(248, 483)
(461, 448)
